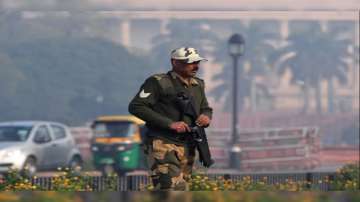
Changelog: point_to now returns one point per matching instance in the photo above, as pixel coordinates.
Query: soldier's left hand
(203, 120)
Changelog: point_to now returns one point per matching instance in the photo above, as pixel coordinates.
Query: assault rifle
(198, 134)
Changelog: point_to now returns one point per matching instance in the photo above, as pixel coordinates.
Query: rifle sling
(181, 89)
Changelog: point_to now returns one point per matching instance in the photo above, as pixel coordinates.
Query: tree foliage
(259, 43)
(68, 78)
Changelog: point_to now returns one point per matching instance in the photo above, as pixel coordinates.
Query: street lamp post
(236, 49)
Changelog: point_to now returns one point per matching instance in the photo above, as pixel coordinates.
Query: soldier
(170, 151)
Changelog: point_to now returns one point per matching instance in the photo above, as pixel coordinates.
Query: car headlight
(12, 154)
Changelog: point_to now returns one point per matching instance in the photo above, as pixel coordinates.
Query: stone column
(163, 28)
(324, 25)
(125, 33)
(284, 28)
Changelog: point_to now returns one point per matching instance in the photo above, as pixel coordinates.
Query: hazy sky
(183, 4)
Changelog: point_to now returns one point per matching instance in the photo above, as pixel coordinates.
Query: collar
(193, 81)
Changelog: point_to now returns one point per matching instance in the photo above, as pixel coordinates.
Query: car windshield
(112, 129)
(14, 133)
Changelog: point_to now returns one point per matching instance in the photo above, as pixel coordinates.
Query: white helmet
(188, 54)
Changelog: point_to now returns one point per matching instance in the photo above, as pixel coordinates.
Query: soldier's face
(186, 70)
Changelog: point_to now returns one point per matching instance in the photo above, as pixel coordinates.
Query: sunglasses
(184, 62)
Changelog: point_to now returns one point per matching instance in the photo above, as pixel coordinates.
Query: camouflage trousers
(170, 165)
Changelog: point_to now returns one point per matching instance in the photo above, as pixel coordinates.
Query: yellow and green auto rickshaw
(116, 144)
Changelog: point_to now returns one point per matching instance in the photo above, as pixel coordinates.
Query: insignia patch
(143, 94)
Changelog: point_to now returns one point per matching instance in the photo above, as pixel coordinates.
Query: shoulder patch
(197, 78)
(201, 81)
(159, 76)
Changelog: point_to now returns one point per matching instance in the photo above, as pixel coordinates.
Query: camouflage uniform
(171, 164)
(170, 155)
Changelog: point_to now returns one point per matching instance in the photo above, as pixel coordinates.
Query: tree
(259, 37)
(10, 77)
(343, 31)
(57, 68)
(316, 55)
(64, 76)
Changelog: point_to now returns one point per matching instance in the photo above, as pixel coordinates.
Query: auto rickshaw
(116, 144)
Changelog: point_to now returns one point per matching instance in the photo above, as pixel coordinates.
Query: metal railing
(138, 182)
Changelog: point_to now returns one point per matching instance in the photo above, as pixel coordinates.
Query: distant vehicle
(116, 144)
(30, 146)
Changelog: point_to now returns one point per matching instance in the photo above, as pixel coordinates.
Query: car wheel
(75, 164)
(30, 167)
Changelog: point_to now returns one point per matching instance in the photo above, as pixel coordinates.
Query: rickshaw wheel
(108, 170)
(121, 173)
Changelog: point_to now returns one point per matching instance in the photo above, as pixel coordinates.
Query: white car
(33, 145)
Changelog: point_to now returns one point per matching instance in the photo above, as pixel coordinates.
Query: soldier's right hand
(180, 127)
